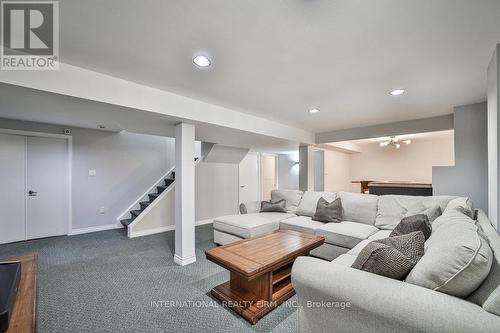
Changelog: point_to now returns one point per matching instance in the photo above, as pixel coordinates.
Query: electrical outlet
(92, 172)
(102, 210)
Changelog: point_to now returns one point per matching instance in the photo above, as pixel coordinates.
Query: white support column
(184, 194)
(306, 168)
(493, 138)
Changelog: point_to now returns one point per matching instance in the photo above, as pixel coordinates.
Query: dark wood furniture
(364, 184)
(400, 188)
(260, 270)
(23, 319)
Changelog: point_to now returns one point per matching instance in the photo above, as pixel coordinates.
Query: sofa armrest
(250, 207)
(378, 304)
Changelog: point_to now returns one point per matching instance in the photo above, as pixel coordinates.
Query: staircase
(167, 182)
(152, 197)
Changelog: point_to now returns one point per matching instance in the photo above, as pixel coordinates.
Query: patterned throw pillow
(411, 224)
(268, 206)
(328, 211)
(392, 257)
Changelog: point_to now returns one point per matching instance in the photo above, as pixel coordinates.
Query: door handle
(242, 186)
(32, 193)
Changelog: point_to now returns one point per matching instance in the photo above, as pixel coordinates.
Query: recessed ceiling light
(397, 92)
(201, 61)
(313, 110)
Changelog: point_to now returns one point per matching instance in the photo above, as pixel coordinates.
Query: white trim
(94, 229)
(153, 231)
(143, 197)
(159, 230)
(69, 139)
(184, 261)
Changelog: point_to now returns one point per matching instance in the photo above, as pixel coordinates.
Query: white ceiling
(276, 59)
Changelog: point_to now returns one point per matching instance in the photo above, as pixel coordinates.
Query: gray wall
(126, 165)
(288, 172)
(319, 170)
(216, 190)
(469, 176)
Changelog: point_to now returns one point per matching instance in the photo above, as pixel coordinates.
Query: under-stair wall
(216, 191)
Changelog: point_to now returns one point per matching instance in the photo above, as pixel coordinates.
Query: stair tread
(135, 212)
(126, 222)
(145, 203)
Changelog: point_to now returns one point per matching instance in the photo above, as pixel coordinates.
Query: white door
(268, 176)
(47, 186)
(249, 178)
(12, 188)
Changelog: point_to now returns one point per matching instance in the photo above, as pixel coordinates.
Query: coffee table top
(254, 256)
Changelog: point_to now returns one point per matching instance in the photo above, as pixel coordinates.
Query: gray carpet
(105, 282)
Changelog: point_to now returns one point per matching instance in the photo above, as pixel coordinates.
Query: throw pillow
(328, 211)
(268, 206)
(392, 257)
(411, 224)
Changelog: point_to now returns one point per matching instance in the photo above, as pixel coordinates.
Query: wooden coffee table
(260, 270)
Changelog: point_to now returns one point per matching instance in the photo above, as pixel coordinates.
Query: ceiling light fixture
(397, 92)
(201, 61)
(313, 110)
(393, 141)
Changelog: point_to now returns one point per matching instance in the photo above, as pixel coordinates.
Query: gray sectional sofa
(365, 217)
(453, 288)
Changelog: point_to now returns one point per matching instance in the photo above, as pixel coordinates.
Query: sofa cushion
(360, 246)
(457, 259)
(359, 207)
(249, 225)
(488, 294)
(301, 223)
(392, 257)
(328, 211)
(346, 234)
(392, 208)
(344, 260)
(432, 213)
(380, 234)
(411, 224)
(463, 205)
(309, 201)
(292, 198)
(273, 206)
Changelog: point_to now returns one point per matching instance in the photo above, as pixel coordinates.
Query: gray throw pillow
(411, 224)
(392, 257)
(328, 211)
(268, 206)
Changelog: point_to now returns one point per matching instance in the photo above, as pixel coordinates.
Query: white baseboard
(184, 261)
(150, 231)
(162, 229)
(94, 229)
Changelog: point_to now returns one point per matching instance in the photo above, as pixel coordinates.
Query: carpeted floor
(105, 282)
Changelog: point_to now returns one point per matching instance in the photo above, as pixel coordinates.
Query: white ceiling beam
(82, 83)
